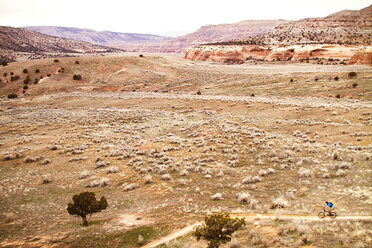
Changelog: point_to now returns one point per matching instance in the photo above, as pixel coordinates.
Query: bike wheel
(333, 215)
(321, 215)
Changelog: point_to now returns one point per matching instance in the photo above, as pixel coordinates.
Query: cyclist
(328, 207)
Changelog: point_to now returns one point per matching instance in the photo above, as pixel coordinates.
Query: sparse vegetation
(56, 60)
(37, 70)
(271, 155)
(25, 71)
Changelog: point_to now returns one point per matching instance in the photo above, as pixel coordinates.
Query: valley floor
(168, 141)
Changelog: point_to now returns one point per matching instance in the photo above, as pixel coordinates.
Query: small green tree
(217, 229)
(85, 204)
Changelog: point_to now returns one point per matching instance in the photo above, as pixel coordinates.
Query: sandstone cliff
(238, 54)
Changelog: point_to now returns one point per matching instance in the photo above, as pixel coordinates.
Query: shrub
(112, 169)
(355, 85)
(56, 61)
(148, 179)
(27, 80)
(11, 73)
(291, 80)
(14, 78)
(25, 71)
(304, 172)
(4, 63)
(77, 77)
(84, 174)
(352, 74)
(336, 78)
(86, 204)
(246, 198)
(36, 80)
(48, 75)
(37, 71)
(199, 92)
(141, 55)
(217, 196)
(217, 229)
(279, 202)
(76, 62)
(5, 74)
(12, 95)
(338, 96)
(25, 87)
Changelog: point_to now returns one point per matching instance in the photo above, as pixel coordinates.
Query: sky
(162, 17)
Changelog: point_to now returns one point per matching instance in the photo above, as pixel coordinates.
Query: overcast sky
(169, 17)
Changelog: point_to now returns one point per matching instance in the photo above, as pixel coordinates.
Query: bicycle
(325, 213)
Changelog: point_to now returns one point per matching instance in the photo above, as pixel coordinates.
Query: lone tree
(85, 204)
(217, 229)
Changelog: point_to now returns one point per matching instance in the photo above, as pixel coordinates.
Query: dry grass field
(168, 141)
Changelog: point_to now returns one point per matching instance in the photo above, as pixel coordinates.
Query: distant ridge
(154, 43)
(104, 38)
(20, 44)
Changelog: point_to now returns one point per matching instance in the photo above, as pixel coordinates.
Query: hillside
(104, 38)
(338, 36)
(19, 44)
(345, 28)
(208, 34)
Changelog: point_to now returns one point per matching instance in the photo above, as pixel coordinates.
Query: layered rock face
(362, 57)
(275, 53)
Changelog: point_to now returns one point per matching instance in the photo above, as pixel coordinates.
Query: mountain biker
(328, 207)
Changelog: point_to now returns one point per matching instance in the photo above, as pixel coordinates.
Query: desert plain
(168, 141)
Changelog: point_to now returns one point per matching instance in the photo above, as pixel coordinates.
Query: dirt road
(188, 229)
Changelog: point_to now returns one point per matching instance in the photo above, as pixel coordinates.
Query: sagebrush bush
(217, 196)
(246, 198)
(279, 202)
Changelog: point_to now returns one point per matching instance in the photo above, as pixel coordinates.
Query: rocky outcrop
(273, 53)
(362, 57)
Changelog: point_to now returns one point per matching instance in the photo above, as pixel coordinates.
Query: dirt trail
(188, 229)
